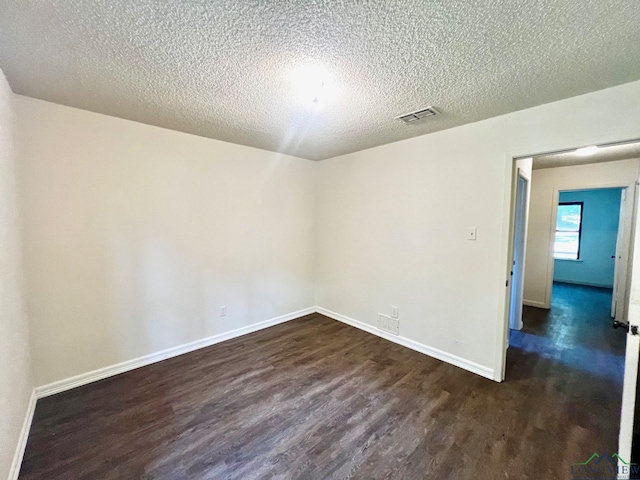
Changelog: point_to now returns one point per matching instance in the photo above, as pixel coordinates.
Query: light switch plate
(472, 233)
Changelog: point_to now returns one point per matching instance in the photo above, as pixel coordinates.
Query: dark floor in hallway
(577, 331)
(316, 399)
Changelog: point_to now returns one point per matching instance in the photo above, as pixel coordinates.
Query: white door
(629, 390)
(620, 298)
(627, 410)
(517, 273)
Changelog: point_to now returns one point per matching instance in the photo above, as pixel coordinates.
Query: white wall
(136, 235)
(544, 186)
(15, 366)
(393, 222)
(393, 226)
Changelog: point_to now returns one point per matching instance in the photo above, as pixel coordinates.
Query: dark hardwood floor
(577, 331)
(316, 399)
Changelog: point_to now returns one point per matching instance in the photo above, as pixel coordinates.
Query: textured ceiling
(609, 153)
(222, 69)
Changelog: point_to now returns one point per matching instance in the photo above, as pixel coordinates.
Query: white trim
(14, 471)
(551, 242)
(102, 373)
(585, 284)
(506, 260)
(413, 345)
(535, 303)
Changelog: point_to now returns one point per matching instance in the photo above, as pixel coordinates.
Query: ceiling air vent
(418, 115)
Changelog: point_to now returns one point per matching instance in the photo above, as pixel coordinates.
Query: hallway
(577, 332)
(574, 359)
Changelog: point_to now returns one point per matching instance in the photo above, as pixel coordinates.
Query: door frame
(517, 269)
(506, 257)
(631, 189)
(622, 217)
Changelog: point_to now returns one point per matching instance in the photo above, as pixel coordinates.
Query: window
(568, 231)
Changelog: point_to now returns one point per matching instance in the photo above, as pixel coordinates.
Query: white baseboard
(105, 372)
(418, 347)
(22, 440)
(586, 284)
(535, 303)
(102, 373)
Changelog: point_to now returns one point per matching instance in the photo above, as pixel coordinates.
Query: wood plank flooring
(316, 399)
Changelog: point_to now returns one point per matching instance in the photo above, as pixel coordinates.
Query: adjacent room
(574, 322)
(580, 282)
(313, 240)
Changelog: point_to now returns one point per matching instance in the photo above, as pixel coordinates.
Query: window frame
(579, 231)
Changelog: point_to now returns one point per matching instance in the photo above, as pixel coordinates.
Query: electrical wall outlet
(223, 311)
(394, 312)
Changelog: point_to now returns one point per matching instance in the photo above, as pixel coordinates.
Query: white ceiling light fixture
(586, 151)
(314, 85)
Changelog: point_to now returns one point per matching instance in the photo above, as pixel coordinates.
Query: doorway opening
(592, 244)
(569, 283)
